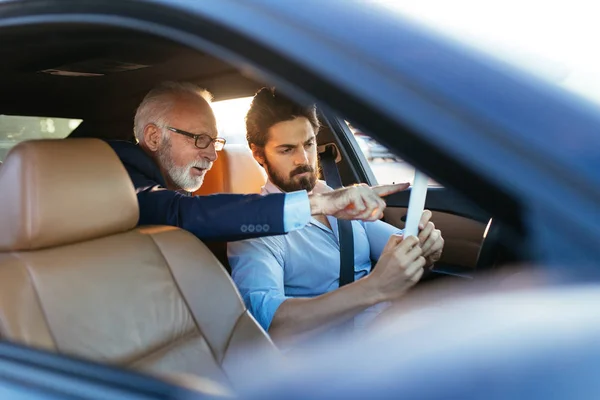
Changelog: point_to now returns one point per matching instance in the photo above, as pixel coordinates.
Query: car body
(494, 137)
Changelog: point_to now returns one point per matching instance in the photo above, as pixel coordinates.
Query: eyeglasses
(202, 140)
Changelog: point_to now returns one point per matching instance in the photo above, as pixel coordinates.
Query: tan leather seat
(78, 277)
(234, 171)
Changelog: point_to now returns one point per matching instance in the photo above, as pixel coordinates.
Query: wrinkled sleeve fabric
(296, 211)
(257, 268)
(379, 233)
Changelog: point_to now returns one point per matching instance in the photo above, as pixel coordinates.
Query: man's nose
(210, 153)
(301, 157)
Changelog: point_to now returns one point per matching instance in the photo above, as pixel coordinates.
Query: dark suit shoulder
(136, 161)
(214, 217)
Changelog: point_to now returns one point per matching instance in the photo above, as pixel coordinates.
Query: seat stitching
(151, 235)
(230, 337)
(162, 347)
(2, 325)
(39, 300)
(246, 313)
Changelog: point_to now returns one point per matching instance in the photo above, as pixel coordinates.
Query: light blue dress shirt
(296, 211)
(303, 263)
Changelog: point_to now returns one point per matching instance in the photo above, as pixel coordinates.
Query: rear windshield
(14, 129)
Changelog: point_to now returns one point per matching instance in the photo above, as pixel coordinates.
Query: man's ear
(258, 153)
(152, 137)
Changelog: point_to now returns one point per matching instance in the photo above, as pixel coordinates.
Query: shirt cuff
(296, 211)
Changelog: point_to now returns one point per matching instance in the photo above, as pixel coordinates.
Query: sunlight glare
(555, 41)
(230, 115)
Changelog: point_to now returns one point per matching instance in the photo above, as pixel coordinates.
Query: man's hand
(430, 239)
(354, 202)
(400, 266)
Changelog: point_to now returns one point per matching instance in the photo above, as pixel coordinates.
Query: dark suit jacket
(216, 217)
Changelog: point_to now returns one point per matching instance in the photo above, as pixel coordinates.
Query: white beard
(181, 176)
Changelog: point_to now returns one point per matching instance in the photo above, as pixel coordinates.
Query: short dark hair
(269, 108)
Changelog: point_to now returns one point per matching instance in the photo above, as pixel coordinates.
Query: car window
(386, 166)
(14, 129)
(230, 115)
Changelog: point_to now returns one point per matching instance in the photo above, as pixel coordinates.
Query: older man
(290, 283)
(177, 135)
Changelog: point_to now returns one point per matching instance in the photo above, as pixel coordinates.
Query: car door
(461, 222)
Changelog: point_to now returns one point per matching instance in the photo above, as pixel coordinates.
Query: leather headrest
(56, 192)
(234, 171)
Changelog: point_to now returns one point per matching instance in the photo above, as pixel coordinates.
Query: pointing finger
(386, 190)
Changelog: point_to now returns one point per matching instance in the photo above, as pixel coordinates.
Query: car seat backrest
(54, 194)
(78, 277)
(234, 171)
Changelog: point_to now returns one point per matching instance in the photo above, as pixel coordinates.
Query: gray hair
(159, 101)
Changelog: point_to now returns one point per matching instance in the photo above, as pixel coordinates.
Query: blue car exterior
(473, 124)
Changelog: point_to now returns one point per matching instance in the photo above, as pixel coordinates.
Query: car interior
(159, 300)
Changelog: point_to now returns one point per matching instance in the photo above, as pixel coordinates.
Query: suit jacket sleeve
(227, 217)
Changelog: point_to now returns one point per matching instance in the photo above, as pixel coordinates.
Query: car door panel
(462, 236)
(442, 199)
(461, 222)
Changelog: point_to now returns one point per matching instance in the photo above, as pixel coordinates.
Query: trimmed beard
(288, 184)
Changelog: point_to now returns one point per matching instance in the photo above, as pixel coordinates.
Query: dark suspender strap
(332, 177)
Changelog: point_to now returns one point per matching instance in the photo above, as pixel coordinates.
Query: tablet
(416, 204)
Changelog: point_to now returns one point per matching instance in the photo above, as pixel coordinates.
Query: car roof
(105, 64)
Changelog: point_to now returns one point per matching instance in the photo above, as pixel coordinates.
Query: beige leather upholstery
(39, 197)
(234, 171)
(92, 285)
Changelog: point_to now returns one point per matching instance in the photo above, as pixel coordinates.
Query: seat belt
(346, 238)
